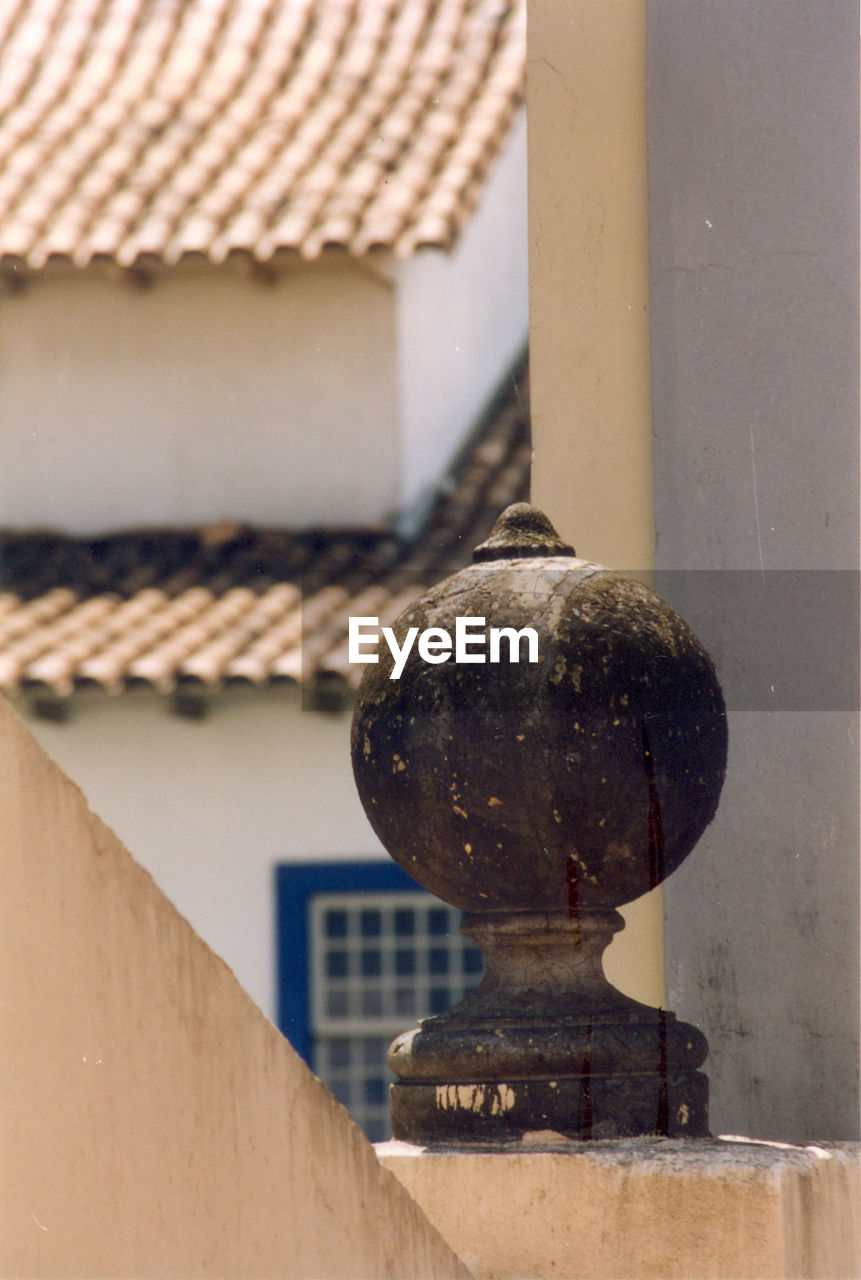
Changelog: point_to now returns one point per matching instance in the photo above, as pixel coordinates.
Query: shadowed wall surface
(753, 177)
(153, 1121)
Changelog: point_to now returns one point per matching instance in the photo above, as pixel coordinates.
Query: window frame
(296, 883)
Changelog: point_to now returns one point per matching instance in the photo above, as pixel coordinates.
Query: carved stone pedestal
(545, 1043)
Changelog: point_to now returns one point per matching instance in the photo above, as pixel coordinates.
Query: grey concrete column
(753, 175)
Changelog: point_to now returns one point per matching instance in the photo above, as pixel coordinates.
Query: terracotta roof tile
(213, 126)
(186, 612)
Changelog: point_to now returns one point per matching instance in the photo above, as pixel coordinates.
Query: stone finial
(540, 795)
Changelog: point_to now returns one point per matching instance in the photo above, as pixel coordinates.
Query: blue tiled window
(363, 952)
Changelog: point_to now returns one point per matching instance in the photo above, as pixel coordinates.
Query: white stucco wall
(207, 395)
(210, 806)
(462, 321)
(334, 391)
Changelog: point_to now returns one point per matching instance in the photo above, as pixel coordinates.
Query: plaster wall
(209, 394)
(753, 168)
(153, 1122)
(462, 323)
(211, 806)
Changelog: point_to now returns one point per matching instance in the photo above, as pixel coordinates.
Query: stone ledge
(727, 1208)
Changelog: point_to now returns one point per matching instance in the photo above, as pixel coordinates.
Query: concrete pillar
(752, 316)
(753, 168)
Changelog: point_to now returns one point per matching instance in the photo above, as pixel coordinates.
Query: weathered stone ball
(581, 779)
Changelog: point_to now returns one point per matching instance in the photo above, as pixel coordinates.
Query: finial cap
(521, 532)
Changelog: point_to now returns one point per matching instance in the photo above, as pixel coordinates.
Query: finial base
(581, 1107)
(545, 1043)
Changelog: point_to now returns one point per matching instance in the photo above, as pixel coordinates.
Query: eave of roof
(130, 129)
(189, 612)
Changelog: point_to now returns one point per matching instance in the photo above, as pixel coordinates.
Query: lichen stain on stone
(480, 1099)
(559, 668)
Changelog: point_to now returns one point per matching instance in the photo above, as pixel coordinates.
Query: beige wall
(589, 322)
(153, 1122)
(589, 276)
(211, 806)
(206, 395)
